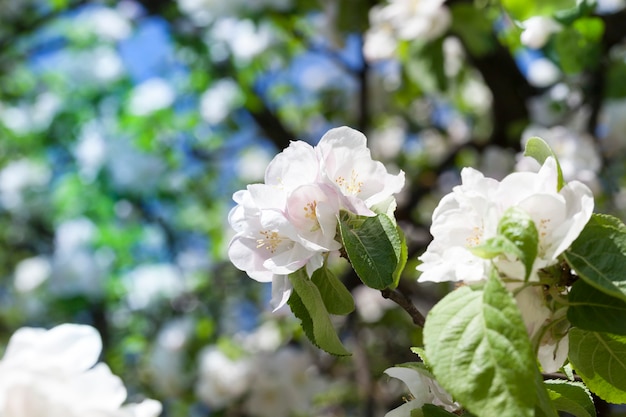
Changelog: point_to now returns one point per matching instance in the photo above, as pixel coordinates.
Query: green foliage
(598, 255)
(373, 246)
(336, 296)
(430, 410)
(599, 360)
(474, 27)
(477, 346)
(524, 9)
(517, 236)
(595, 310)
(307, 304)
(571, 397)
(577, 46)
(538, 149)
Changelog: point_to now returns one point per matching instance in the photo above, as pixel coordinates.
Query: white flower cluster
(469, 216)
(404, 20)
(267, 384)
(290, 221)
(54, 373)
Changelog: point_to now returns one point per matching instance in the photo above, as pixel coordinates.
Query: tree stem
(404, 302)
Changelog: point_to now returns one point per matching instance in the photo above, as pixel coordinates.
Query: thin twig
(404, 302)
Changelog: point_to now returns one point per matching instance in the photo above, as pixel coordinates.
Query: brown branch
(404, 302)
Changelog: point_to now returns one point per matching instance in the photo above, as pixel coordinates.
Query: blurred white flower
(148, 283)
(613, 127)
(221, 380)
(74, 234)
(405, 20)
(219, 100)
(537, 31)
(151, 95)
(167, 358)
(251, 164)
(265, 338)
(90, 151)
(131, 169)
(577, 153)
(424, 390)
(244, 38)
(106, 23)
(19, 177)
(542, 72)
(285, 383)
(25, 118)
(369, 304)
(30, 273)
(54, 373)
(107, 64)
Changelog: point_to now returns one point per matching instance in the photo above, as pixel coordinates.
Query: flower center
(352, 185)
(269, 240)
(309, 210)
(475, 237)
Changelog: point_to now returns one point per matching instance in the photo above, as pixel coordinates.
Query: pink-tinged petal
(281, 291)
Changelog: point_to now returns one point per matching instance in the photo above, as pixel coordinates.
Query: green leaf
(517, 236)
(572, 397)
(307, 304)
(373, 246)
(578, 46)
(595, 310)
(478, 349)
(402, 260)
(598, 255)
(431, 410)
(600, 360)
(523, 9)
(336, 296)
(538, 149)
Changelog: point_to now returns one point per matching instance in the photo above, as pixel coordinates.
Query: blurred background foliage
(125, 127)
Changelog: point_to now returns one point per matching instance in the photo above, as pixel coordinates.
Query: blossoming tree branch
(536, 322)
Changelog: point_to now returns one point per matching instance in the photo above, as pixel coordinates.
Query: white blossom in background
(106, 23)
(469, 215)
(205, 12)
(220, 100)
(76, 270)
(90, 151)
(55, 373)
(612, 132)
(148, 283)
(284, 383)
(251, 164)
(290, 221)
(25, 118)
(537, 30)
(542, 72)
(30, 273)
(150, 96)
(576, 151)
(132, 169)
(18, 178)
(609, 6)
(244, 38)
(404, 20)
(222, 380)
(424, 390)
(167, 357)
(369, 304)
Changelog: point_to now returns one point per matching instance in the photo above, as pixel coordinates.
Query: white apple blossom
(290, 221)
(55, 373)
(469, 215)
(222, 380)
(284, 384)
(424, 390)
(537, 31)
(405, 20)
(553, 342)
